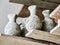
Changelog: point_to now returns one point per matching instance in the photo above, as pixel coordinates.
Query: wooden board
(40, 35)
(10, 40)
(55, 1)
(42, 4)
(56, 12)
(56, 31)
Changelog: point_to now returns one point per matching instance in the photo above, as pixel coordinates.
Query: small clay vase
(34, 21)
(48, 23)
(12, 28)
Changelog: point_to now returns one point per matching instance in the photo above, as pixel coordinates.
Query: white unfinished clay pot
(12, 28)
(48, 22)
(34, 21)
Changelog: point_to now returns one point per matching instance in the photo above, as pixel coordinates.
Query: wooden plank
(55, 1)
(10, 40)
(51, 44)
(42, 4)
(56, 14)
(40, 35)
(56, 30)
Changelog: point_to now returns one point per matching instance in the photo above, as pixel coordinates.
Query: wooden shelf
(35, 38)
(12, 40)
(48, 4)
(40, 35)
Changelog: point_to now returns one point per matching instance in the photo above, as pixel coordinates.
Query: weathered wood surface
(40, 35)
(11, 40)
(56, 13)
(56, 31)
(55, 1)
(42, 4)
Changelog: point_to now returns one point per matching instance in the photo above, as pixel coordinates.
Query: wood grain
(55, 1)
(10, 40)
(42, 4)
(56, 31)
(56, 12)
(40, 35)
